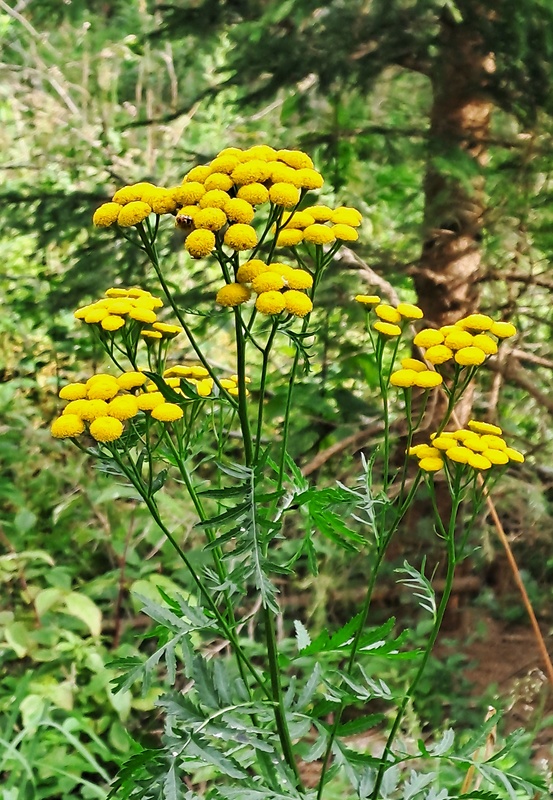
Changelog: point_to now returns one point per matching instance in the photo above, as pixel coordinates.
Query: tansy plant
(247, 723)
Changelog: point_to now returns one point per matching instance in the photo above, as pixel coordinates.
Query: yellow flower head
(238, 210)
(321, 213)
(132, 193)
(142, 315)
(233, 294)
(428, 379)
(151, 337)
(161, 201)
(260, 151)
(218, 180)
(106, 215)
(240, 237)
(216, 198)
(297, 220)
(346, 216)
(497, 457)
(367, 299)
(424, 451)
(67, 426)
(413, 363)
(470, 356)
(387, 329)
(410, 311)
(485, 343)
(270, 303)
(76, 407)
(318, 234)
(428, 337)
(296, 159)
(167, 412)
(167, 330)
(297, 303)
(478, 461)
(149, 400)
(459, 454)
(476, 322)
(431, 464)
(133, 213)
(204, 387)
(344, 233)
(124, 407)
(458, 338)
(438, 354)
(403, 377)
(191, 193)
(514, 455)
(102, 390)
(106, 429)
(309, 179)
(493, 442)
(298, 279)
(284, 194)
(289, 238)
(266, 282)
(503, 330)
(131, 380)
(112, 323)
(95, 314)
(211, 219)
(73, 391)
(444, 442)
(224, 164)
(90, 409)
(197, 174)
(200, 243)
(117, 305)
(253, 171)
(387, 313)
(250, 270)
(484, 427)
(254, 193)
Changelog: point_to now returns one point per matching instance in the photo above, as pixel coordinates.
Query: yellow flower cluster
(467, 343)
(279, 287)
(218, 200)
(319, 225)
(198, 378)
(132, 204)
(105, 402)
(415, 373)
(132, 307)
(389, 317)
(480, 446)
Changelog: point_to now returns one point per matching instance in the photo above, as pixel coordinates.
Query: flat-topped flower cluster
(216, 207)
(479, 446)
(102, 404)
(132, 309)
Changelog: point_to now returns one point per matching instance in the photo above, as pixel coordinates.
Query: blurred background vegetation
(434, 118)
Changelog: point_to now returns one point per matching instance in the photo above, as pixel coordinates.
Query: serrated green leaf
(303, 638)
(359, 725)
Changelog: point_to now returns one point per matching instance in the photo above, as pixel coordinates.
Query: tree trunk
(447, 273)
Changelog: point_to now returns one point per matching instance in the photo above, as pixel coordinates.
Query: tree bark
(447, 273)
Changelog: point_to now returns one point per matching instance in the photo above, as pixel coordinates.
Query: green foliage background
(96, 95)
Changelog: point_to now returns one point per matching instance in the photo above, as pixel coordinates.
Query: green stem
(451, 563)
(152, 254)
(242, 399)
(229, 634)
(276, 685)
(262, 386)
